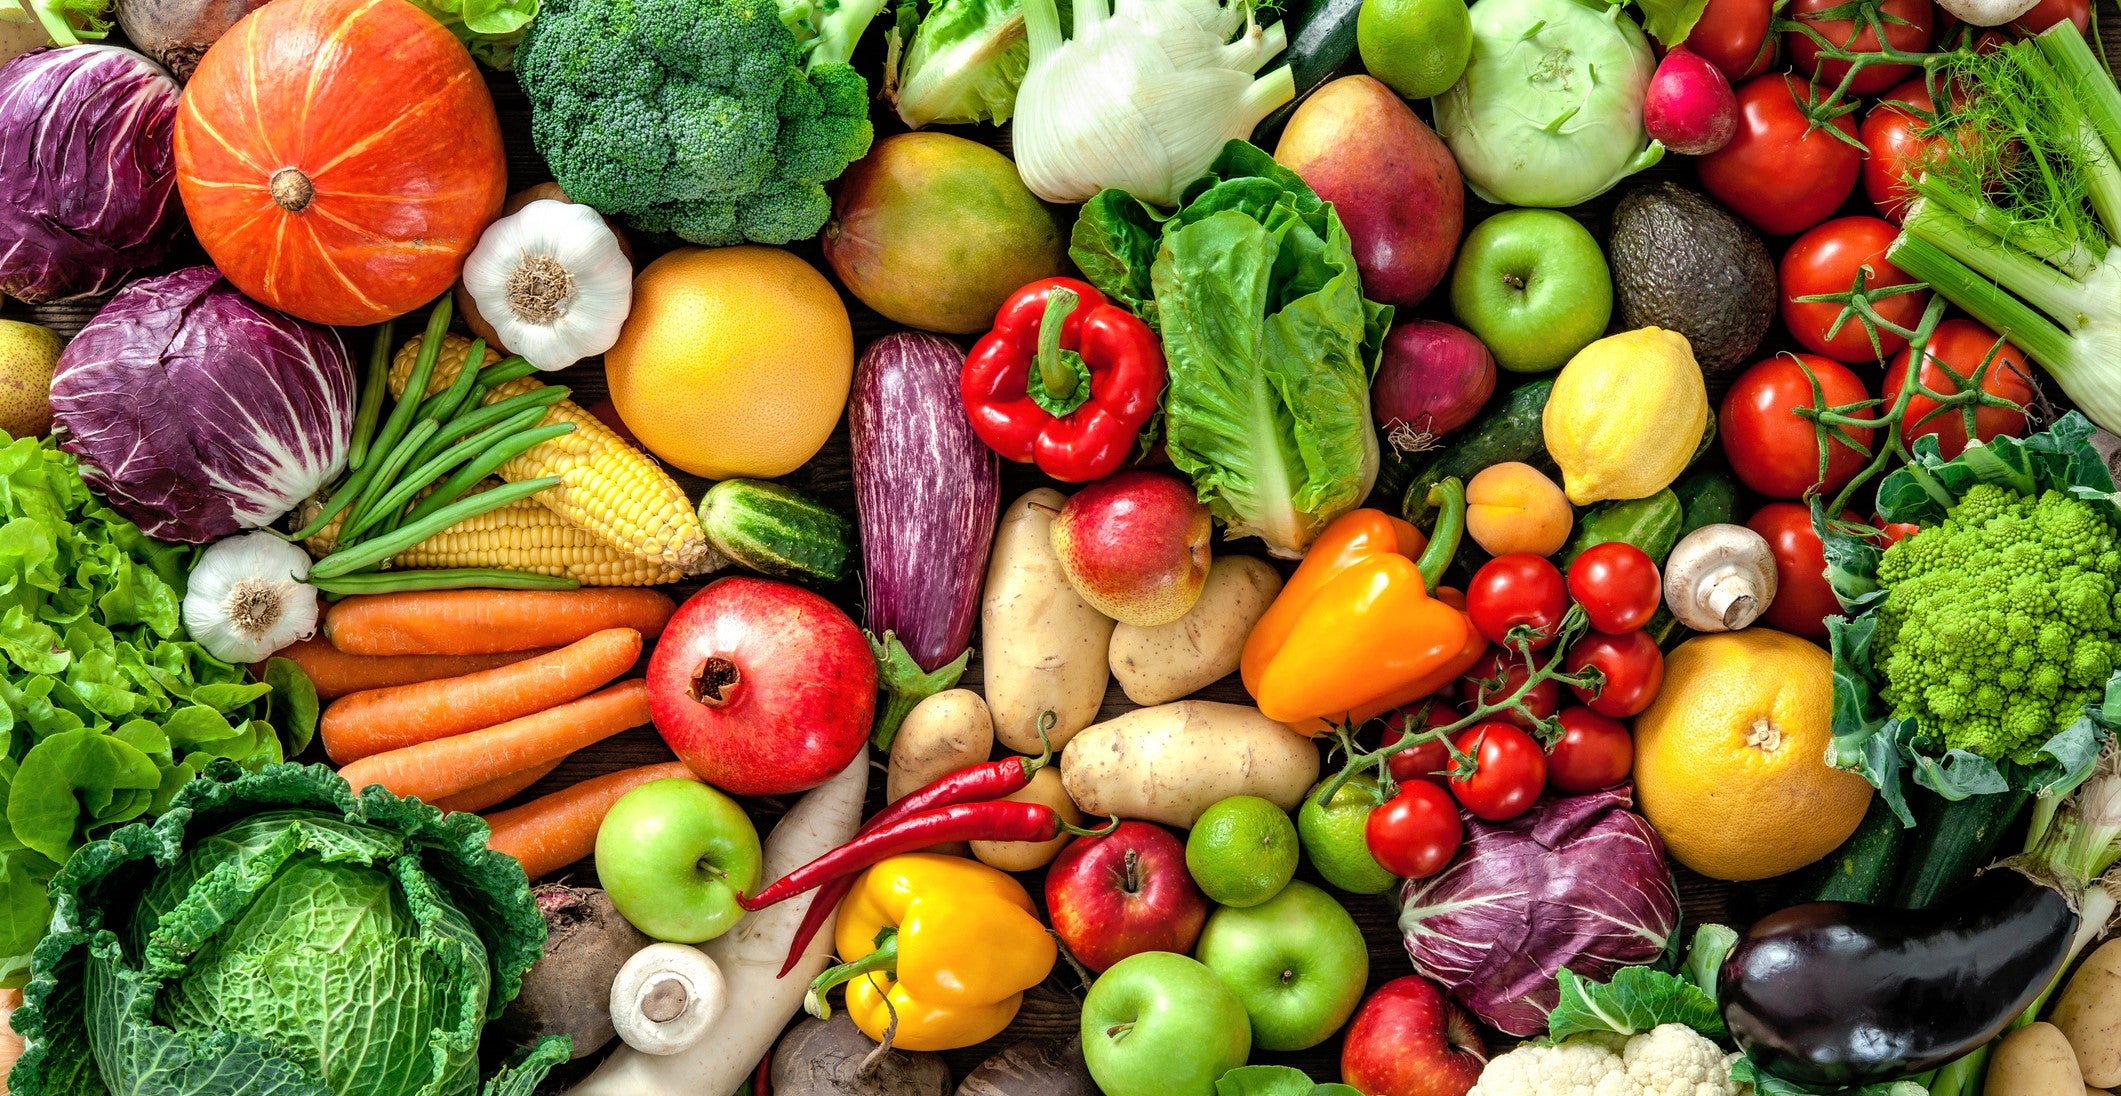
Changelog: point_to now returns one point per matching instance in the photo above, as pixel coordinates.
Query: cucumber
(1321, 47)
(1863, 868)
(777, 530)
(1708, 497)
(1510, 432)
(1707, 442)
(1651, 524)
(1952, 841)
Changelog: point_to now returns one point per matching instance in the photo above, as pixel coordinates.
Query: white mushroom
(1720, 578)
(666, 997)
(1987, 13)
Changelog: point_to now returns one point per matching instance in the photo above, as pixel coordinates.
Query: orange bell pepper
(1356, 632)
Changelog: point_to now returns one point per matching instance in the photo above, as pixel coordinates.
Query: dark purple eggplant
(1837, 993)
(926, 492)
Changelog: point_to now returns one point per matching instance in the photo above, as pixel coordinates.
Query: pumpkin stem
(291, 190)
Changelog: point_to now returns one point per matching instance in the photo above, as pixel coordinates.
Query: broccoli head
(2000, 625)
(707, 119)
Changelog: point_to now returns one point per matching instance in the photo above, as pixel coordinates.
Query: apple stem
(1119, 1030)
(1133, 882)
(715, 681)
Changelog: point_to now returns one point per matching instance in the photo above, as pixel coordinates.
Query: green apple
(1533, 284)
(673, 855)
(1160, 1024)
(1297, 961)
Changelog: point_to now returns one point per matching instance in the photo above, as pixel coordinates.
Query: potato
(1169, 763)
(2088, 1013)
(1045, 787)
(2034, 1060)
(1171, 661)
(1043, 648)
(942, 734)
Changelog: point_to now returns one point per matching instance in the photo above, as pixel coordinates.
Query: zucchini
(1321, 44)
(1952, 841)
(1863, 868)
(777, 530)
(1708, 497)
(1511, 432)
(1651, 524)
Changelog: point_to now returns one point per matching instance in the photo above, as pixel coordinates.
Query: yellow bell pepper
(950, 943)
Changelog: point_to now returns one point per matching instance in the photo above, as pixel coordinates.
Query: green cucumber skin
(1709, 498)
(1321, 47)
(777, 530)
(1952, 841)
(1651, 524)
(1864, 867)
(1513, 431)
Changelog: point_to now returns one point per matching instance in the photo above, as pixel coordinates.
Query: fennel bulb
(1144, 95)
(963, 64)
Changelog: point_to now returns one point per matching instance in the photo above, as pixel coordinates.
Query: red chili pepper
(1066, 380)
(1003, 820)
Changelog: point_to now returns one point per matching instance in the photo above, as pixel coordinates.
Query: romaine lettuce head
(275, 934)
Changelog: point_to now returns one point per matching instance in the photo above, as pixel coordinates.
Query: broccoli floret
(1999, 625)
(709, 119)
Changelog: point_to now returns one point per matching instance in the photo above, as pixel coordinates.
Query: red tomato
(1777, 172)
(1827, 260)
(1427, 761)
(1895, 148)
(1803, 599)
(2046, 14)
(1633, 668)
(1508, 770)
(1519, 588)
(1773, 450)
(1962, 346)
(1908, 24)
(1617, 585)
(1497, 675)
(1593, 752)
(1895, 531)
(1733, 36)
(1416, 832)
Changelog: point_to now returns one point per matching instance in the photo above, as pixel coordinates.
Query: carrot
(375, 720)
(336, 673)
(498, 791)
(447, 766)
(478, 622)
(553, 831)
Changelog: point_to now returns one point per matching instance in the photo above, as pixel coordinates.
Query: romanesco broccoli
(2000, 625)
(718, 121)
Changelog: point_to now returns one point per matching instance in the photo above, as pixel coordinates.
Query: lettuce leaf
(963, 63)
(1640, 998)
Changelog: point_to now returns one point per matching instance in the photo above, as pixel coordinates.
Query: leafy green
(1745, 1071)
(1276, 1081)
(1640, 998)
(1670, 21)
(962, 64)
(276, 934)
(490, 29)
(1712, 945)
(1269, 342)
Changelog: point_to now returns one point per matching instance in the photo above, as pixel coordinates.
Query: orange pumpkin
(339, 158)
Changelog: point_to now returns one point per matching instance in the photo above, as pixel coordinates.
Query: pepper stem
(1449, 498)
(884, 959)
(1054, 372)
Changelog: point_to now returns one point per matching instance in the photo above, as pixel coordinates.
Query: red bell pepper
(1065, 380)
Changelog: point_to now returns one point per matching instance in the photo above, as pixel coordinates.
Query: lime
(1417, 47)
(1243, 851)
(1333, 836)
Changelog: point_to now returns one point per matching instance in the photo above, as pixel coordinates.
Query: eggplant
(1838, 993)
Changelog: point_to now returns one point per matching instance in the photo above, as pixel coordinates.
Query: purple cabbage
(199, 412)
(1579, 882)
(88, 181)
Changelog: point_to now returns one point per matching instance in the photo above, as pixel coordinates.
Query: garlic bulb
(552, 281)
(246, 597)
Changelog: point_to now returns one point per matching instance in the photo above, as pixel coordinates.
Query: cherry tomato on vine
(1497, 676)
(1895, 148)
(1908, 25)
(1593, 752)
(1803, 598)
(1416, 832)
(1827, 259)
(1774, 450)
(1508, 767)
(1515, 589)
(1778, 172)
(1733, 35)
(1962, 346)
(1428, 761)
(1617, 585)
(1633, 668)
(1895, 531)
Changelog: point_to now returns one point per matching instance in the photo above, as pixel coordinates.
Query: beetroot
(1689, 105)
(1433, 379)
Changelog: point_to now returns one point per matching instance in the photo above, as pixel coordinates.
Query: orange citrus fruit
(734, 361)
(1730, 761)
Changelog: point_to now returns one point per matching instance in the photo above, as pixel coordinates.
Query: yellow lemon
(1626, 415)
(1730, 761)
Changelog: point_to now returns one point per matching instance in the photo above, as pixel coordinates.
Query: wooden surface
(1052, 1009)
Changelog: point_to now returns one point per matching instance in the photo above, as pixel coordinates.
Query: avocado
(1684, 263)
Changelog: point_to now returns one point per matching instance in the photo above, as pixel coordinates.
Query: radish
(1689, 105)
(1431, 381)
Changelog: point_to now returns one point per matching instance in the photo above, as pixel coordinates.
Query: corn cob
(609, 488)
(521, 536)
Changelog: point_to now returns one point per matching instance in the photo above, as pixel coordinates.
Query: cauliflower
(1667, 1060)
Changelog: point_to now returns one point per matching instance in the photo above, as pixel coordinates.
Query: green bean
(423, 367)
(408, 485)
(486, 416)
(368, 554)
(386, 477)
(469, 475)
(447, 402)
(454, 578)
(340, 499)
(373, 390)
(503, 371)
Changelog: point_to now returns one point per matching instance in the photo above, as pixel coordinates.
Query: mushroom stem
(666, 997)
(1720, 578)
(1732, 600)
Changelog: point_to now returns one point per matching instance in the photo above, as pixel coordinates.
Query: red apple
(763, 688)
(1410, 1040)
(1124, 893)
(1135, 546)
